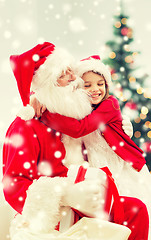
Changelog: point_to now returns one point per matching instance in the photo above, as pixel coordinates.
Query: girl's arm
(108, 112)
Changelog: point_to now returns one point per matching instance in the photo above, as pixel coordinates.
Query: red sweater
(108, 113)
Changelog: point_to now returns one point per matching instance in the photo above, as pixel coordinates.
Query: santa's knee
(133, 205)
(135, 211)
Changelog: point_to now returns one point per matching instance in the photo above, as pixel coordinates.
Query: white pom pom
(26, 113)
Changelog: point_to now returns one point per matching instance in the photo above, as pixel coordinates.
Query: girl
(110, 146)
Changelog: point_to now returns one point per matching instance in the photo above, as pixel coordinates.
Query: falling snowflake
(20, 199)
(57, 154)
(57, 16)
(102, 127)
(44, 168)
(27, 165)
(48, 129)
(25, 25)
(80, 42)
(35, 57)
(85, 165)
(20, 152)
(122, 199)
(58, 189)
(121, 144)
(96, 3)
(114, 148)
(17, 140)
(7, 34)
(57, 134)
(135, 209)
(63, 213)
(85, 151)
(51, 6)
(66, 8)
(77, 25)
(125, 223)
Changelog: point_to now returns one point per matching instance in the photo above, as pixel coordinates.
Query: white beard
(70, 101)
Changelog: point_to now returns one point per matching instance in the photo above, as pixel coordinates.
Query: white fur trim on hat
(51, 69)
(93, 65)
(26, 113)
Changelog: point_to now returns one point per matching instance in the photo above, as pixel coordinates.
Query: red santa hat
(94, 63)
(37, 67)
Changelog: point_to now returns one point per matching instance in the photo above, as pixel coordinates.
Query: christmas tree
(133, 97)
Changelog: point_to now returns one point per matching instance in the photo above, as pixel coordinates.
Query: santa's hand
(38, 107)
(127, 126)
(84, 196)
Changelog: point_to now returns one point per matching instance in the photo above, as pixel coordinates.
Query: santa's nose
(72, 77)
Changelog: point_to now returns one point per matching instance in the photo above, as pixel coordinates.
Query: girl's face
(94, 84)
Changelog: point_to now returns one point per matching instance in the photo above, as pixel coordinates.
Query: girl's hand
(38, 107)
(127, 126)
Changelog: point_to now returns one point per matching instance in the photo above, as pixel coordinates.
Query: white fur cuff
(42, 205)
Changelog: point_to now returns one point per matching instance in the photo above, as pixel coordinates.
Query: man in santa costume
(36, 158)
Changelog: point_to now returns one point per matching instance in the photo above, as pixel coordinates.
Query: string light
(125, 38)
(135, 54)
(137, 134)
(149, 134)
(114, 76)
(140, 90)
(117, 24)
(132, 79)
(122, 69)
(129, 34)
(147, 124)
(128, 59)
(123, 99)
(144, 110)
(126, 47)
(142, 116)
(123, 20)
(147, 93)
(112, 55)
(137, 120)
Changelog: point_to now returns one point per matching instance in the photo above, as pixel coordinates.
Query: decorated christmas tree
(130, 89)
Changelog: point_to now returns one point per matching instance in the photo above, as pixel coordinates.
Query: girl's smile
(94, 85)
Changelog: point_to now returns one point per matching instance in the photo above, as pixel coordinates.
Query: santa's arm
(37, 198)
(107, 112)
(18, 164)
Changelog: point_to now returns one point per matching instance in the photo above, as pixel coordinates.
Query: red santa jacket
(107, 114)
(29, 144)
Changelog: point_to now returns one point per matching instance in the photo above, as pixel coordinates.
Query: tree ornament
(124, 31)
(146, 146)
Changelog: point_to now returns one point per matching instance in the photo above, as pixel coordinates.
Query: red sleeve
(20, 153)
(107, 112)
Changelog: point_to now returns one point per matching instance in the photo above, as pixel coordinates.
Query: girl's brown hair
(106, 86)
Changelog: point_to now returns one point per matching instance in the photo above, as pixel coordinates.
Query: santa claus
(36, 158)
